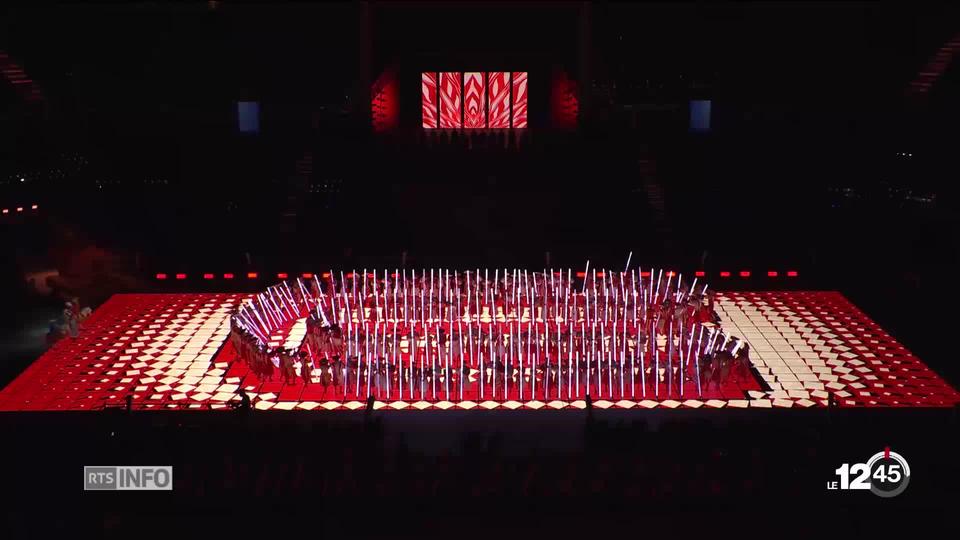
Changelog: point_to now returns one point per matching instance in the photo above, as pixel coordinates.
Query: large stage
(170, 351)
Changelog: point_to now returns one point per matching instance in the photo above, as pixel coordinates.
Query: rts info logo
(886, 474)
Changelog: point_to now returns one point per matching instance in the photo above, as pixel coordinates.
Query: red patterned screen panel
(474, 100)
(428, 98)
(520, 99)
(451, 106)
(498, 88)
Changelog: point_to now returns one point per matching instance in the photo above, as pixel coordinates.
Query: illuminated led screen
(473, 99)
(700, 114)
(451, 106)
(428, 91)
(248, 116)
(519, 100)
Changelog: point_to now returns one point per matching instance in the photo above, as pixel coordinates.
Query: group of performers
(515, 335)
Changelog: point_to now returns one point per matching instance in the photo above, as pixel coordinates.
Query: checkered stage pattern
(170, 351)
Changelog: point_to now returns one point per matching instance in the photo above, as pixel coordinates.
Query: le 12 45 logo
(885, 474)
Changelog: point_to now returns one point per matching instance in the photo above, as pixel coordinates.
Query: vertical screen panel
(519, 99)
(428, 98)
(700, 115)
(498, 88)
(474, 100)
(451, 106)
(248, 116)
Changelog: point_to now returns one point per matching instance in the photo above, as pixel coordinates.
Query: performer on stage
(524, 337)
(306, 368)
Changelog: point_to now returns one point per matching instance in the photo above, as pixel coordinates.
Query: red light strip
(600, 274)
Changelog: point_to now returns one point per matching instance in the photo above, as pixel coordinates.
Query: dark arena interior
(478, 269)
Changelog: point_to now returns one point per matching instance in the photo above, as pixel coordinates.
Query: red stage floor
(170, 352)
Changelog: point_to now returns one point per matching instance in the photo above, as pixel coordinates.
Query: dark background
(821, 157)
